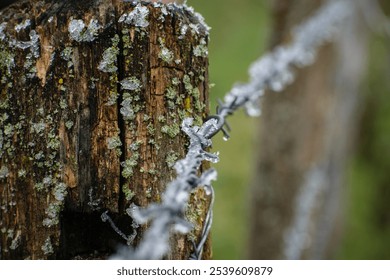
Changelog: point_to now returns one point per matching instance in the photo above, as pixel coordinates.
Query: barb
(273, 71)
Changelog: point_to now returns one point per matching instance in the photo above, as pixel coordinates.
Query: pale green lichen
(129, 164)
(7, 61)
(4, 172)
(52, 212)
(22, 173)
(165, 54)
(47, 247)
(175, 81)
(171, 93)
(127, 109)
(201, 50)
(114, 143)
(131, 83)
(108, 62)
(152, 171)
(53, 141)
(171, 130)
(69, 124)
(129, 194)
(148, 193)
(187, 83)
(38, 128)
(60, 191)
(135, 145)
(146, 117)
(171, 158)
(63, 104)
(16, 241)
(151, 129)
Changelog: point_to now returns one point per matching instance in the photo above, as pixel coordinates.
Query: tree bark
(92, 97)
(305, 138)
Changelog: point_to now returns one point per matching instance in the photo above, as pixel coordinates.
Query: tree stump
(92, 97)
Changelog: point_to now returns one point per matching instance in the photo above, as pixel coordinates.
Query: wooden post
(92, 97)
(307, 131)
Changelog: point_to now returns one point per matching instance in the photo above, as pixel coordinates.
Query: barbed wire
(273, 71)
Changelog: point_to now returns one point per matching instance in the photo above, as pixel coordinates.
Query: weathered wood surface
(90, 120)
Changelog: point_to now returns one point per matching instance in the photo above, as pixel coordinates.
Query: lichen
(165, 54)
(16, 241)
(22, 173)
(66, 55)
(171, 93)
(201, 50)
(171, 130)
(114, 143)
(69, 124)
(151, 129)
(127, 109)
(7, 61)
(108, 62)
(79, 33)
(171, 158)
(129, 194)
(187, 83)
(52, 212)
(4, 172)
(175, 81)
(60, 191)
(131, 83)
(137, 17)
(47, 247)
(129, 164)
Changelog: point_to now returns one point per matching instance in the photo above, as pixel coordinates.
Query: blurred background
(241, 32)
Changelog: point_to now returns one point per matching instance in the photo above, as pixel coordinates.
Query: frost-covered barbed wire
(273, 71)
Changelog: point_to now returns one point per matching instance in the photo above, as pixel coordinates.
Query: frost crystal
(127, 109)
(78, 32)
(33, 44)
(60, 191)
(137, 17)
(166, 55)
(23, 25)
(2, 27)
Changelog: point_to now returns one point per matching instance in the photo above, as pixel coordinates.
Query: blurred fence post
(305, 140)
